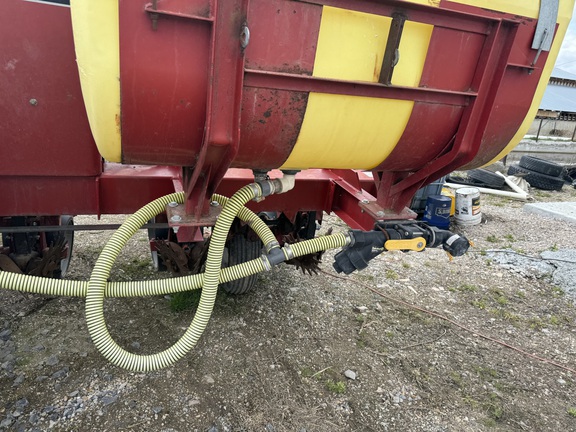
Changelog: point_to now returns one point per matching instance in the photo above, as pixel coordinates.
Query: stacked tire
(539, 173)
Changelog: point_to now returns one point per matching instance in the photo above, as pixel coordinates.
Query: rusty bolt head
(33, 102)
(176, 218)
(172, 204)
(380, 213)
(364, 201)
(214, 203)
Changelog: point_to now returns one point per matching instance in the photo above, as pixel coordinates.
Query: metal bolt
(33, 102)
(420, 244)
(380, 213)
(214, 203)
(244, 36)
(176, 218)
(364, 201)
(172, 204)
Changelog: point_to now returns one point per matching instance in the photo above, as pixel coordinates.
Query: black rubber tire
(542, 166)
(489, 178)
(241, 250)
(537, 180)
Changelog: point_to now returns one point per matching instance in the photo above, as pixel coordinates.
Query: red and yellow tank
(366, 85)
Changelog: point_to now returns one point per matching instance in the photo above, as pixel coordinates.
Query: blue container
(419, 201)
(437, 211)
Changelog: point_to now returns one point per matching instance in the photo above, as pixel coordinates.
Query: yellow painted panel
(413, 49)
(564, 15)
(96, 40)
(341, 131)
(348, 132)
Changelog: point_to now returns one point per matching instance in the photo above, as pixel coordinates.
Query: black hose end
(366, 245)
(456, 245)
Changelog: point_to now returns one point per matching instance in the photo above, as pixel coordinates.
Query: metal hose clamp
(267, 265)
(288, 251)
(272, 245)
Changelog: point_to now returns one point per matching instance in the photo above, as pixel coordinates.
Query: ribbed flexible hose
(71, 288)
(98, 288)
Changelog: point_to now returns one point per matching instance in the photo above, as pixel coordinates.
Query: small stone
(41, 378)
(73, 394)
(193, 402)
(270, 428)
(7, 356)
(48, 409)
(157, 410)
(38, 348)
(19, 380)
(6, 422)
(5, 334)
(350, 374)
(561, 381)
(34, 418)
(208, 379)
(109, 399)
(361, 309)
(21, 403)
(135, 345)
(60, 373)
(52, 360)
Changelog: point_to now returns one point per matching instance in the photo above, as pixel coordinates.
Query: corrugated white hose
(71, 288)
(98, 287)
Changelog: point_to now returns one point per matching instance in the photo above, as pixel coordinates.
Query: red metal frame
(222, 89)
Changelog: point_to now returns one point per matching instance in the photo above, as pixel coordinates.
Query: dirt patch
(282, 357)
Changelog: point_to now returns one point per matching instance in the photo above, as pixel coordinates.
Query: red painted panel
(430, 130)
(28, 196)
(270, 122)
(452, 59)
(163, 79)
(511, 106)
(43, 125)
(123, 189)
(283, 36)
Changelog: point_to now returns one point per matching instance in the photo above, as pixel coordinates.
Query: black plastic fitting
(364, 247)
(266, 187)
(367, 245)
(276, 256)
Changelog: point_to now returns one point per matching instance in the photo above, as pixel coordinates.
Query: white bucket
(467, 211)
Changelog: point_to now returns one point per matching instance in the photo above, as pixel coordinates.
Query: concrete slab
(557, 210)
(560, 265)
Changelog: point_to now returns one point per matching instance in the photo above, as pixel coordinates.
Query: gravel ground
(318, 353)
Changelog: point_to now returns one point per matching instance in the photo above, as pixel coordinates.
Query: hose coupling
(275, 257)
(266, 263)
(271, 245)
(288, 251)
(258, 191)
